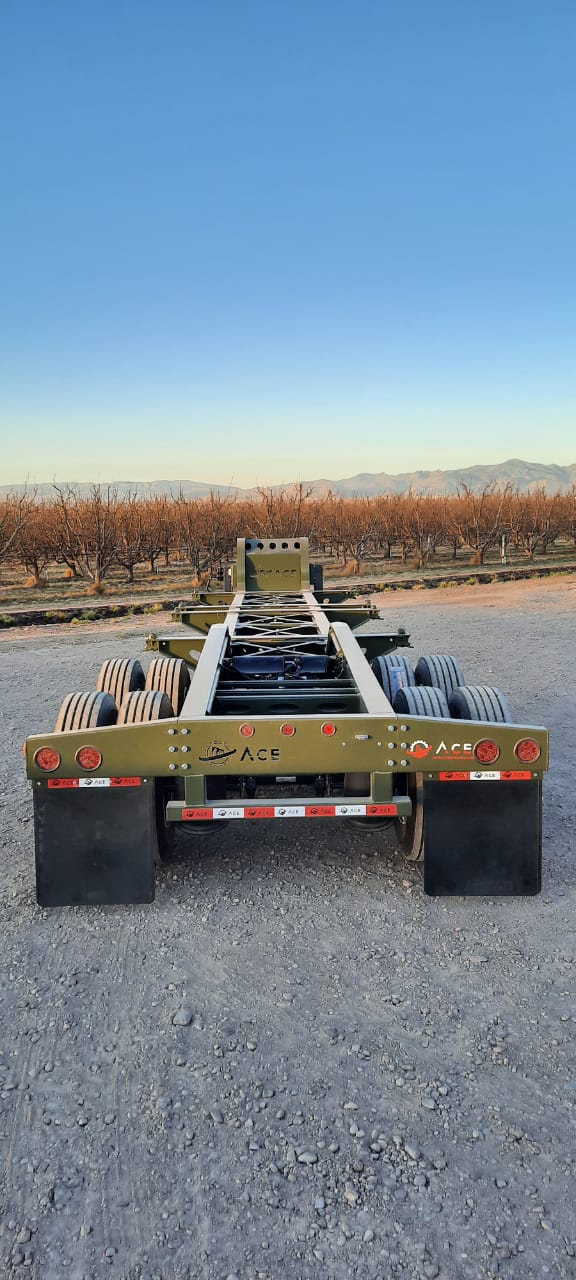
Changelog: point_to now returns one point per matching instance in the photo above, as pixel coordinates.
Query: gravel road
(294, 1065)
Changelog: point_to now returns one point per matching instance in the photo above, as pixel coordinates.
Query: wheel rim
(410, 831)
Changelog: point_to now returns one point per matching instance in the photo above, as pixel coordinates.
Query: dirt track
(374, 1084)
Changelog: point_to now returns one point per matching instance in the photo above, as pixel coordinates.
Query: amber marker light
(89, 758)
(47, 759)
(527, 750)
(486, 751)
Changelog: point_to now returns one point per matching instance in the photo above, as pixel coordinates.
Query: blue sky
(254, 240)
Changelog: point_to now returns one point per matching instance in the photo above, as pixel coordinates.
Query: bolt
(404, 763)
(171, 766)
(185, 766)
(392, 763)
(172, 731)
(172, 748)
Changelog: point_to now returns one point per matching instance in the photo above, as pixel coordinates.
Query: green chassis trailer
(268, 707)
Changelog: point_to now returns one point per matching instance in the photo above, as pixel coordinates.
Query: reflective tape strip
(505, 775)
(291, 811)
(60, 783)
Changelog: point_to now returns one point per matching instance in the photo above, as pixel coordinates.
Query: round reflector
(89, 758)
(247, 730)
(328, 729)
(486, 751)
(47, 759)
(527, 750)
(288, 730)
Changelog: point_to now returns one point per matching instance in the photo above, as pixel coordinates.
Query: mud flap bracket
(95, 848)
(482, 838)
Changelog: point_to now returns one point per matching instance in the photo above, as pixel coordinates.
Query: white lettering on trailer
(94, 782)
(290, 811)
(488, 776)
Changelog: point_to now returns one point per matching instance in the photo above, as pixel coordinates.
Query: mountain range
(521, 475)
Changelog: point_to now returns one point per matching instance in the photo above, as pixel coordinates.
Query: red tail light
(329, 729)
(247, 730)
(89, 758)
(527, 750)
(47, 759)
(288, 730)
(486, 751)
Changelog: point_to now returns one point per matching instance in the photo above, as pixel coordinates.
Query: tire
(143, 706)
(440, 670)
(120, 676)
(92, 710)
(479, 702)
(383, 669)
(422, 701)
(170, 676)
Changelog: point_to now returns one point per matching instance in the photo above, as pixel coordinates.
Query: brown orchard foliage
(99, 532)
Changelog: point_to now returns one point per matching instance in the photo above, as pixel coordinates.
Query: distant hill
(521, 475)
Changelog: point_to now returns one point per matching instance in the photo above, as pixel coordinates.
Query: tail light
(47, 759)
(247, 730)
(486, 751)
(527, 750)
(328, 729)
(288, 730)
(89, 758)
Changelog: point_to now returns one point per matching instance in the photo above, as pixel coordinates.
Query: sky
(254, 241)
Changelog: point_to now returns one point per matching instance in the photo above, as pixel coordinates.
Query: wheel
(479, 702)
(393, 672)
(143, 706)
(422, 701)
(440, 670)
(410, 831)
(86, 711)
(120, 676)
(170, 676)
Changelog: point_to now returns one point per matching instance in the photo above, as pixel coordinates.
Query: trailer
(266, 706)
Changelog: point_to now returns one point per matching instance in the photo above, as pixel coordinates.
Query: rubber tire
(479, 702)
(170, 676)
(440, 670)
(120, 676)
(92, 710)
(145, 705)
(381, 668)
(423, 700)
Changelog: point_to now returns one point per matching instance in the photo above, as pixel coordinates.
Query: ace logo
(454, 750)
(262, 754)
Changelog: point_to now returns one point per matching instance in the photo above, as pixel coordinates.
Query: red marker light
(486, 751)
(247, 730)
(288, 730)
(328, 729)
(47, 759)
(527, 750)
(89, 758)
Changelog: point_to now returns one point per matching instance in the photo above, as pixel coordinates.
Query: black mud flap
(95, 847)
(482, 838)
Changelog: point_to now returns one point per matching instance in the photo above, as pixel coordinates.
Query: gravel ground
(294, 1064)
